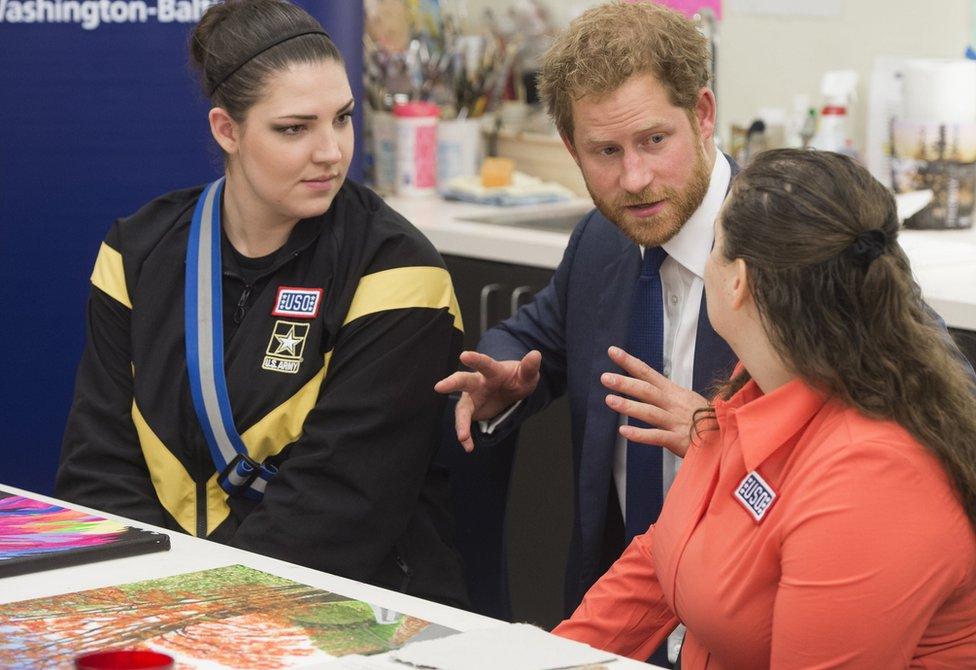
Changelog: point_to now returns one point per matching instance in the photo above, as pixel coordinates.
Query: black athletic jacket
(343, 402)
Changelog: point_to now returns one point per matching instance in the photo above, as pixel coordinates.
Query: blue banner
(100, 113)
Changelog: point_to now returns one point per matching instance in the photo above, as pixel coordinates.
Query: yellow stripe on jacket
(403, 288)
(109, 275)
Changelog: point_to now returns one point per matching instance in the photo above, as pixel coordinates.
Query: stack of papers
(514, 647)
(524, 190)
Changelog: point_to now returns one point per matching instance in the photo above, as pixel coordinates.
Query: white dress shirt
(682, 282)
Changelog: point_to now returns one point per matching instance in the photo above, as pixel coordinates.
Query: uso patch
(297, 303)
(756, 495)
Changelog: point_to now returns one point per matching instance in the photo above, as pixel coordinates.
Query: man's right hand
(489, 389)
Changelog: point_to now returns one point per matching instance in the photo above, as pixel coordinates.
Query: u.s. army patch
(756, 495)
(285, 349)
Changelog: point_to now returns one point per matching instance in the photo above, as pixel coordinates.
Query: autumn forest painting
(228, 617)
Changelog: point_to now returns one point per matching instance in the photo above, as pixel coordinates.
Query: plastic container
(834, 131)
(384, 144)
(416, 133)
(458, 149)
(834, 128)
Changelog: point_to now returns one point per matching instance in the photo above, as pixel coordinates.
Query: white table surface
(189, 554)
(944, 261)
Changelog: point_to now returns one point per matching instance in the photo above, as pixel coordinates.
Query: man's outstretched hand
(489, 389)
(651, 397)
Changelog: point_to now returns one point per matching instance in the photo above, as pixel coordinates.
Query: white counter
(442, 221)
(944, 261)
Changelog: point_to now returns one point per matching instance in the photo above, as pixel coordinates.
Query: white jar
(416, 130)
(458, 149)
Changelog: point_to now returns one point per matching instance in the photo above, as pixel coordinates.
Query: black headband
(264, 47)
(867, 246)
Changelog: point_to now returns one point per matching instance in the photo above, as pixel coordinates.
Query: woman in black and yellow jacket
(333, 317)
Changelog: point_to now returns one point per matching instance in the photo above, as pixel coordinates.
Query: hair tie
(264, 47)
(868, 245)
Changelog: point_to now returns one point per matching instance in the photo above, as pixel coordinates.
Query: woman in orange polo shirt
(824, 515)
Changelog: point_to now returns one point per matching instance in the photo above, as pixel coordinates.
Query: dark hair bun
(203, 35)
(224, 43)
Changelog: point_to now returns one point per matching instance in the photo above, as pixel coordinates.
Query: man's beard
(658, 229)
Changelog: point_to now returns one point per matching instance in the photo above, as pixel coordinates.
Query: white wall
(764, 60)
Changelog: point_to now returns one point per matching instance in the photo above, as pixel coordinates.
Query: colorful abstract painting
(232, 617)
(36, 535)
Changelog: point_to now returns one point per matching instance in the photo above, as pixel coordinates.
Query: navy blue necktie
(645, 341)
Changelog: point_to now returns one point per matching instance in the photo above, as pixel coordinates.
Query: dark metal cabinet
(489, 291)
(514, 507)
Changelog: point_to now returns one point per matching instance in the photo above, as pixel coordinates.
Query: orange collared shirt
(849, 550)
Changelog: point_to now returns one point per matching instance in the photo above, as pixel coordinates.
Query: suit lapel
(735, 169)
(713, 356)
(611, 314)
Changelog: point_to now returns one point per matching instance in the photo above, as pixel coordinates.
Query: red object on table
(123, 659)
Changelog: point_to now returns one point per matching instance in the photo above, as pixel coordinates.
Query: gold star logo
(287, 342)
(286, 346)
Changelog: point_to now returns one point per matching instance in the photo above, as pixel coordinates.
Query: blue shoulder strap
(238, 473)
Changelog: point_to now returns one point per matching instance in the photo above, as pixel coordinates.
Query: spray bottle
(834, 129)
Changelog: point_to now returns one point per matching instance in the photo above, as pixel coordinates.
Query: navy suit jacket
(573, 321)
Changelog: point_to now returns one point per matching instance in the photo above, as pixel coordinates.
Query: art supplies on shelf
(36, 535)
(230, 617)
(439, 52)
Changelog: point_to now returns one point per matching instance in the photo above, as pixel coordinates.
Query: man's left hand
(653, 399)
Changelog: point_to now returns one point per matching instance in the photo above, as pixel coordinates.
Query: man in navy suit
(627, 87)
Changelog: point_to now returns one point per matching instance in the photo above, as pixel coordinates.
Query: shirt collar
(768, 421)
(693, 243)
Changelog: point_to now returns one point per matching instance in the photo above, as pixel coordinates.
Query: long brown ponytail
(819, 236)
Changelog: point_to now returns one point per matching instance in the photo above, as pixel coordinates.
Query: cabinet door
(489, 292)
(515, 560)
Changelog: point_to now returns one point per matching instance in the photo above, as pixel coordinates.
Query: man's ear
(224, 129)
(741, 290)
(568, 143)
(705, 111)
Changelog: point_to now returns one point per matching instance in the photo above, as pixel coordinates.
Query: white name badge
(756, 495)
